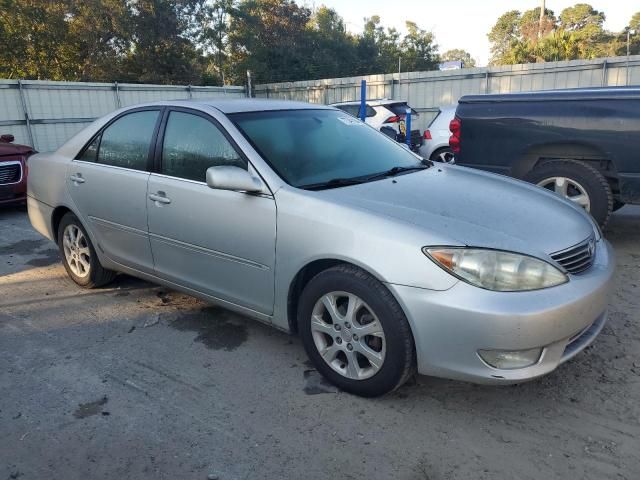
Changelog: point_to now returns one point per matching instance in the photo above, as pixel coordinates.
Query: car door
(108, 185)
(218, 242)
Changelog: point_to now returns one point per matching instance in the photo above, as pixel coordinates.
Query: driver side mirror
(228, 177)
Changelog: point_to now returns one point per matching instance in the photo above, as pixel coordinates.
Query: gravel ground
(136, 381)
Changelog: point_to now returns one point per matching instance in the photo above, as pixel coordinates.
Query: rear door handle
(160, 197)
(77, 178)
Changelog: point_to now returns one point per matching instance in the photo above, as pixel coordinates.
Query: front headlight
(496, 270)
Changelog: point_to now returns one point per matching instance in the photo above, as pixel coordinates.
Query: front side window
(126, 142)
(307, 147)
(90, 153)
(192, 144)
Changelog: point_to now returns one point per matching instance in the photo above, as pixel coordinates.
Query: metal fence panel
(426, 91)
(45, 114)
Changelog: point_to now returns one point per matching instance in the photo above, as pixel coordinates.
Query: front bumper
(449, 327)
(14, 192)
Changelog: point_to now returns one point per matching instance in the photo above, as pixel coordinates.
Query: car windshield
(311, 147)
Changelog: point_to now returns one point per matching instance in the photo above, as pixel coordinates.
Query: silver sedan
(304, 218)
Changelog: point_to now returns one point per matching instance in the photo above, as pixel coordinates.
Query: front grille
(577, 259)
(10, 173)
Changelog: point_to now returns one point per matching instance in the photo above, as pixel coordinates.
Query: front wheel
(577, 182)
(355, 333)
(79, 256)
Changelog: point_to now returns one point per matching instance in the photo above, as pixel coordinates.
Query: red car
(13, 170)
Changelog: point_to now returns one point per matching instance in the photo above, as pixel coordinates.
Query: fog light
(509, 360)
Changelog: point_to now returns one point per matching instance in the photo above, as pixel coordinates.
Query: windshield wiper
(392, 172)
(333, 183)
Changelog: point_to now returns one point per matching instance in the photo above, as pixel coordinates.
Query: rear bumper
(450, 327)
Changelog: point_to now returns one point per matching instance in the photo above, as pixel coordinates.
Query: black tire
(436, 156)
(399, 361)
(98, 275)
(593, 182)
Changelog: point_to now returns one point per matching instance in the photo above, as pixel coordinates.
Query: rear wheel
(355, 333)
(79, 256)
(578, 182)
(444, 155)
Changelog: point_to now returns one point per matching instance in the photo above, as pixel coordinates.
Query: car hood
(474, 208)
(7, 149)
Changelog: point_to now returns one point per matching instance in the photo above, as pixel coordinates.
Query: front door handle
(77, 178)
(160, 197)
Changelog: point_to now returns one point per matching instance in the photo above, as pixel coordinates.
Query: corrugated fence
(45, 114)
(426, 91)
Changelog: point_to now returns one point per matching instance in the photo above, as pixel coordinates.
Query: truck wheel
(78, 255)
(578, 182)
(355, 332)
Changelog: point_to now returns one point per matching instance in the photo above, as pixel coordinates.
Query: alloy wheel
(445, 157)
(348, 335)
(76, 251)
(569, 189)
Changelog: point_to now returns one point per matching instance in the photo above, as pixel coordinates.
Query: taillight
(454, 140)
(395, 119)
(427, 135)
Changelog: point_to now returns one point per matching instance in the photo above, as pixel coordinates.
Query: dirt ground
(135, 381)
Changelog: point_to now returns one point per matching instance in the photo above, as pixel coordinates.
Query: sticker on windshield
(350, 121)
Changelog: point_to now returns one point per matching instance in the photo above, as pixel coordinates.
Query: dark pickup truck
(581, 143)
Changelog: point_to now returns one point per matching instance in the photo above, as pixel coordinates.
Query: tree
(99, 33)
(530, 26)
(502, 35)
(268, 38)
(419, 51)
(459, 55)
(162, 49)
(214, 36)
(634, 39)
(35, 40)
(587, 27)
(333, 49)
(559, 45)
(577, 33)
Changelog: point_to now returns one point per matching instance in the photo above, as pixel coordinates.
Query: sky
(463, 23)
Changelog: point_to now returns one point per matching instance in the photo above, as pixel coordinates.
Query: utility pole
(628, 51)
(540, 23)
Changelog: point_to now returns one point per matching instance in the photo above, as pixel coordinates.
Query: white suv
(388, 116)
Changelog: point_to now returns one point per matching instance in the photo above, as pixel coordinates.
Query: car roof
(241, 105)
(372, 103)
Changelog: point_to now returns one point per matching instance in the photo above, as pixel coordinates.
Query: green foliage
(99, 40)
(217, 41)
(459, 55)
(578, 33)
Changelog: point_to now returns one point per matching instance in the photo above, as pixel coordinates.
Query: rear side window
(435, 118)
(400, 109)
(355, 110)
(126, 142)
(192, 144)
